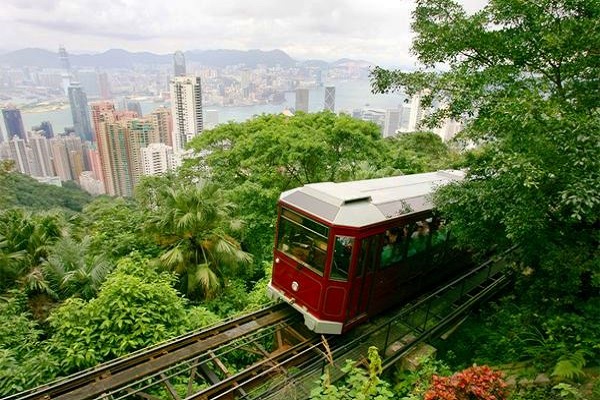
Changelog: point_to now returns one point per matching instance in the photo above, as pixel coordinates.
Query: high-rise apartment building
(60, 159)
(18, 152)
(157, 158)
(42, 154)
(104, 86)
(416, 113)
(391, 122)
(302, 100)
(80, 112)
(329, 98)
(186, 110)
(14, 123)
(163, 126)
(178, 63)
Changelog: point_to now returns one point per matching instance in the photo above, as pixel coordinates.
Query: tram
(347, 251)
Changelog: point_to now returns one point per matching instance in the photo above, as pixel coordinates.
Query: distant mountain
(30, 57)
(251, 58)
(118, 58)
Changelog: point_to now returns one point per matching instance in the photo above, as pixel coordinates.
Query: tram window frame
(310, 250)
(346, 245)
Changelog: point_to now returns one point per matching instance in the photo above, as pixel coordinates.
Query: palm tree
(73, 270)
(192, 225)
(29, 237)
(9, 263)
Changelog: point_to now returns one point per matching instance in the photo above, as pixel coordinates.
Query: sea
(349, 95)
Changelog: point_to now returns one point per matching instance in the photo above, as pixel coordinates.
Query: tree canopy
(524, 77)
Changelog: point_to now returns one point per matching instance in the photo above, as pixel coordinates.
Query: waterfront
(350, 95)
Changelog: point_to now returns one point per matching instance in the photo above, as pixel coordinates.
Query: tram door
(362, 282)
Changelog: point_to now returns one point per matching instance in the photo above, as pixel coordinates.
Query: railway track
(282, 357)
(112, 375)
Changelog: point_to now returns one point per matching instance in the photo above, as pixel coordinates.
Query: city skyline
(358, 29)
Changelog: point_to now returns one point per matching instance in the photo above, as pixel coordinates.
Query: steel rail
(227, 330)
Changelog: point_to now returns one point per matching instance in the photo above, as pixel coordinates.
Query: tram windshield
(303, 239)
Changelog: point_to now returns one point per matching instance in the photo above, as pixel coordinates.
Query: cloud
(373, 30)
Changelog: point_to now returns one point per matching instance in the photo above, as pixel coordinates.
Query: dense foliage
(18, 190)
(524, 78)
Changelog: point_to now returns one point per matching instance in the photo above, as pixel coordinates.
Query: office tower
(157, 158)
(212, 118)
(135, 106)
(18, 152)
(45, 129)
(104, 86)
(89, 82)
(416, 113)
(391, 122)
(42, 154)
(186, 110)
(179, 63)
(329, 98)
(14, 123)
(80, 112)
(163, 126)
(65, 65)
(302, 100)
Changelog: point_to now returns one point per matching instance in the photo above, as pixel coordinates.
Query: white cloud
(378, 31)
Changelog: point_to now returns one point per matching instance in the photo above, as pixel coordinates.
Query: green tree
(193, 226)
(135, 308)
(257, 160)
(27, 239)
(115, 227)
(24, 360)
(523, 75)
(73, 270)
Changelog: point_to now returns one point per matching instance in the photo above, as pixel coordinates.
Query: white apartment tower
(186, 110)
(416, 113)
(157, 158)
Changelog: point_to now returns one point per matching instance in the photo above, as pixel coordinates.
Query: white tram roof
(367, 202)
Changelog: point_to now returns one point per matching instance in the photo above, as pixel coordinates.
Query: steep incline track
(93, 382)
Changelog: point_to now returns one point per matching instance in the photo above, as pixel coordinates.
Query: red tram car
(348, 250)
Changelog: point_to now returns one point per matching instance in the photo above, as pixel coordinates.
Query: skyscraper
(186, 110)
(80, 112)
(65, 65)
(163, 126)
(416, 113)
(179, 63)
(45, 129)
(329, 98)
(157, 158)
(391, 122)
(104, 86)
(302, 100)
(42, 154)
(14, 123)
(18, 152)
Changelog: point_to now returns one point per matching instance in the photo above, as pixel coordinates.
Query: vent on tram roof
(357, 199)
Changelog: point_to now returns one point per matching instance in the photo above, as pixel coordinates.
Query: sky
(377, 31)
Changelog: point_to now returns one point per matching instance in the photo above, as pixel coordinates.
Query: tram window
(419, 237)
(341, 257)
(439, 232)
(303, 239)
(394, 242)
